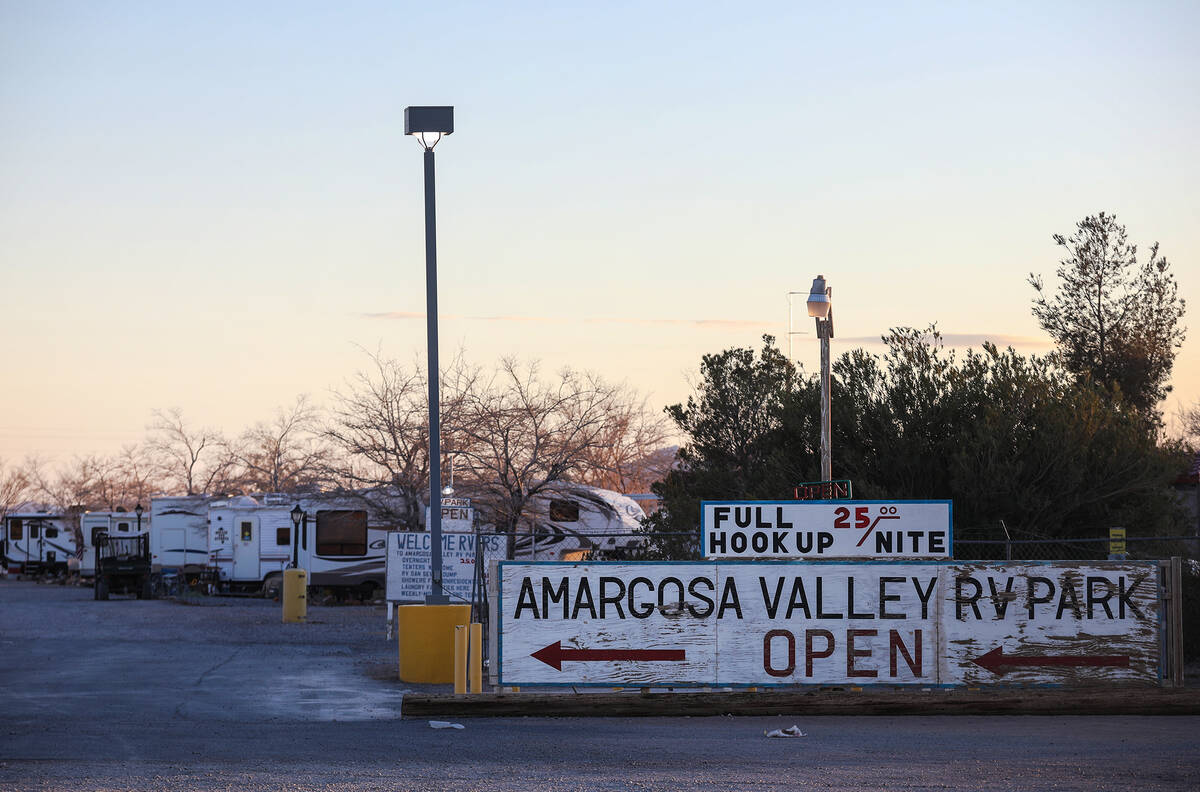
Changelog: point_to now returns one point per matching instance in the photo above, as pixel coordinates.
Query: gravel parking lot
(205, 658)
(219, 694)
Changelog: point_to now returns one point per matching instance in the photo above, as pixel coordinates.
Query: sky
(212, 206)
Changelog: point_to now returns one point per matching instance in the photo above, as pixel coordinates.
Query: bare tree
(380, 428)
(188, 459)
(71, 489)
(518, 437)
(138, 475)
(14, 487)
(284, 454)
(1189, 419)
(630, 455)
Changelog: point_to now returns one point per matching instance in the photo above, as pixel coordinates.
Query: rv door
(245, 548)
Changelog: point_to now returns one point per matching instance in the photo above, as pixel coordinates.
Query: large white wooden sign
(826, 529)
(764, 623)
(409, 563)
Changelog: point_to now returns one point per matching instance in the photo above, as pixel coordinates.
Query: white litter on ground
(791, 731)
(445, 725)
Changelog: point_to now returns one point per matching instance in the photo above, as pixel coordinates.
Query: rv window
(564, 511)
(16, 530)
(283, 536)
(341, 532)
(33, 530)
(122, 526)
(247, 531)
(51, 533)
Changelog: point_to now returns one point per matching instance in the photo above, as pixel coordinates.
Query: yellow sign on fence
(1116, 540)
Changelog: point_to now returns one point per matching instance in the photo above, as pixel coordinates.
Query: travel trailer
(340, 547)
(179, 534)
(251, 543)
(36, 542)
(578, 522)
(244, 544)
(117, 524)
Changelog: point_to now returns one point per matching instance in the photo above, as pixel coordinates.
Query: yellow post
(460, 659)
(476, 658)
(295, 595)
(425, 636)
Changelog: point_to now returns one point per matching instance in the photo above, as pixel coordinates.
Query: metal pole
(823, 328)
(790, 358)
(438, 596)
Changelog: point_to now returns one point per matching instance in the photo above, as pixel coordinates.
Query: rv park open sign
(826, 529)
(783, 623)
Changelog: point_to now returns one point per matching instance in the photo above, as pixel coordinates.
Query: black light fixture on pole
(297, 517)
(138, 510)
(428, 125)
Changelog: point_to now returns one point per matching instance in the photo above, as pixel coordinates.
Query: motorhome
(117, 524)
(35, 542)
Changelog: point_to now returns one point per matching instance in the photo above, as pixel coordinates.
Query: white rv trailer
(252, 542)
(339, 546)
(249, 543)
(114, 523)
(179, 533)
(577, 522)
(35, 542)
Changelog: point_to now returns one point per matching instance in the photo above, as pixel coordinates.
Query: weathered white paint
(771, 623)
(826, 529)
(409, 562)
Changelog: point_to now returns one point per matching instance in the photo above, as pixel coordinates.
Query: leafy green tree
(751, 429)
(1006, 437)
(1115, 320)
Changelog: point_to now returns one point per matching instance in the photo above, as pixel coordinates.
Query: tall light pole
(820, 306)
(429, 125)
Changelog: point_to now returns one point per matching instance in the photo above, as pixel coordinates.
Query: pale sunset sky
(212, 205)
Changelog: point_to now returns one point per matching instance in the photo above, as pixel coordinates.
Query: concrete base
(426, 640)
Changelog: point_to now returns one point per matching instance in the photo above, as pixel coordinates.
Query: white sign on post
(740, 623)
(410, 563)
(826, 529)
(457, 515)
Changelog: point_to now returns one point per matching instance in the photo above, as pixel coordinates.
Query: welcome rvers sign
(785, 623)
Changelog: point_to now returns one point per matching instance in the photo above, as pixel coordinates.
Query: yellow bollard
(295, 595)
(476, 664)
(460, 659)
(425, 637)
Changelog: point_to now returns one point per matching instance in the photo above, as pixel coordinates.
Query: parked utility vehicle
(122, 566)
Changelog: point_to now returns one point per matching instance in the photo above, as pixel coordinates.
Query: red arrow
(996, 661)
(554, 655)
